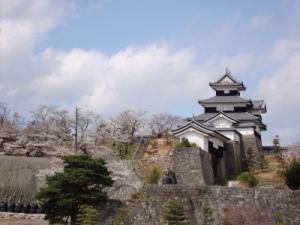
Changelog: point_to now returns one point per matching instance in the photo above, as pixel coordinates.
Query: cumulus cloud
(22, 24)
(281, 89)
(154, 77)
(150, 78)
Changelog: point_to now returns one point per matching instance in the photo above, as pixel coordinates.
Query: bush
(184, 143)
(207, 215)
(174, 214)
(248, 179)
(121, 150)
(292, 175)
(122, 217)
(154, 175)
(88, 215)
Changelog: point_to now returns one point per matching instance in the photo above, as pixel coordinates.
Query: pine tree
(174, 214)
(82, 182)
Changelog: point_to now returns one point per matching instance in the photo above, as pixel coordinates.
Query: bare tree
(42, 119)
(61, 123)
(126, 125)
(84, 121)
(4, 114)
(129, 122)
(162, 123)
(43, 113)
(17, 120)
(101, 129)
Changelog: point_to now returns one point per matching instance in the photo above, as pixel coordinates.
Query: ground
(22, 219)
(270, 178)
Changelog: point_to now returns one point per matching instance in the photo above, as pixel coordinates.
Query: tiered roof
(227, 82)
(225, 99)
(205, 129)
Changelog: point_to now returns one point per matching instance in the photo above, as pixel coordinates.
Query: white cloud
(149, 77)
(153, 77)
(260, 20)
(281, 89)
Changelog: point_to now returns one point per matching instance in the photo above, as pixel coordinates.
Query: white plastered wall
(216, 142)
(200, 139)
(221, 122)
(231, 135)
(246, 130)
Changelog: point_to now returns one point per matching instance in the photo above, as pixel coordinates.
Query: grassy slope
(270, 177)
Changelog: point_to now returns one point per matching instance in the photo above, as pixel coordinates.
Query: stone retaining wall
(255, 206)
(192, 166)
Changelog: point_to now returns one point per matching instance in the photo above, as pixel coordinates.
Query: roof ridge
(222, 113)
(228, 74)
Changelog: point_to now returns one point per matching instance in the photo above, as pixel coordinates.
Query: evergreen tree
(276, 145)
(263, 162)
(251, 159)
(81, 183)
(292, 175)
(88, 215)
(174, 214)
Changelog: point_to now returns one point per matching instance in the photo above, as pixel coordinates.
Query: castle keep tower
(229, 126)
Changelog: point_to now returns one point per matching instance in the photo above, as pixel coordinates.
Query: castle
(229, 127)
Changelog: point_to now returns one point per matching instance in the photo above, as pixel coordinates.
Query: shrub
(248, 179)
(174, 214)
(121, 150)
(88, 215)
(122, 217)
(292, 175)
(264, 165)
(279, 218)
(154, 175)
(207, 214)
(184, 143)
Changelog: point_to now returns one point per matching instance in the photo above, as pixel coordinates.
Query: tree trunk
(73, 219)
(126, 148)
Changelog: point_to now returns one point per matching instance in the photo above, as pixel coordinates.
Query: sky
(112, 55)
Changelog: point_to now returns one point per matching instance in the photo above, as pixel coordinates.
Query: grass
(270, 177)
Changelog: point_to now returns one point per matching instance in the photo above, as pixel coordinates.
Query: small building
(229, 126)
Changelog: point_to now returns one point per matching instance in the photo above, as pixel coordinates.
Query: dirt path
(22, 219)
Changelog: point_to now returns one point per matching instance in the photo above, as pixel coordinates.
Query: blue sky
(111, 55)
(211, 26)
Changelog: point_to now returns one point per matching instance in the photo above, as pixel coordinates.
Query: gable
(223, 116)
(226, 79)
(221, 122)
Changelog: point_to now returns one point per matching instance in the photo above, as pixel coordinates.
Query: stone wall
(192, 166)
(247, 206)
(252, 141)
(233, 158)
(255, 143)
